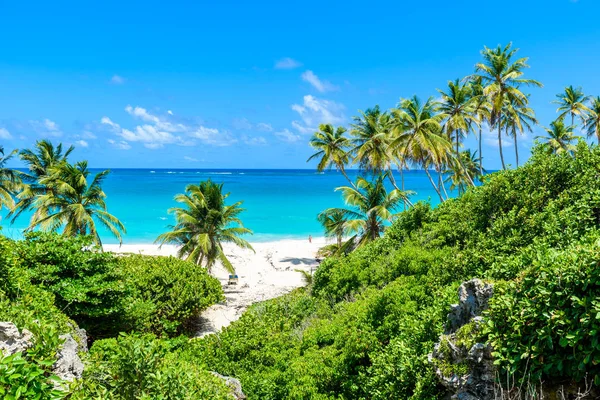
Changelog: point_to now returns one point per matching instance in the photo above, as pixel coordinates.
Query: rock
(474, 297)
(68, 365)
(234, 384)
(464, 366)
(12, 341)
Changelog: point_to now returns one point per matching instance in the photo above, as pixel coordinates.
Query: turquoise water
(279, 203)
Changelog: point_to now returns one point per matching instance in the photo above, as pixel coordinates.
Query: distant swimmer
(309, 239)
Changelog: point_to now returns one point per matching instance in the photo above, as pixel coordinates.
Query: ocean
(280, 204)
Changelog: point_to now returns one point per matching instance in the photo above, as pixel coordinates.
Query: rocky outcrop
(463, 364)
(12, 341)
(68, 365)
(234, 384)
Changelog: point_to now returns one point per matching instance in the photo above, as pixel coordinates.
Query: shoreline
(267, 273)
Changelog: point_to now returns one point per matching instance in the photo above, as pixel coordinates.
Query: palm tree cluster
(60, 195)
(429, 135)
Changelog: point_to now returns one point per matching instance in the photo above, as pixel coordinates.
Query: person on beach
(309, 238)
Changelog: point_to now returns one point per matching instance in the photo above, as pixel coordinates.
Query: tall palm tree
(560, 137)
(419, 135)
(572, 102)
(371, 207)
(204, 223)
(39, 162)
(456, 174)
(73, 203)
(502, 78)
(371, 135)
(483, 113)
(10, 180)
(518, 118)
(332, 148)
(592, 123)
(459, 108)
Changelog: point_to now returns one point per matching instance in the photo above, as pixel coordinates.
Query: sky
(243, 84)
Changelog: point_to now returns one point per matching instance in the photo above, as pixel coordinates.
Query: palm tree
(518, 118)
(459, 108)
(371, 135)
(331, 146)
(592, 123)
(502, 78)
(419, 135)
(39, 162)
(560, 137)
(10, 180)
(334, 224)
(483, 113)
(204, 224)
(73, 202)
(371, 207)
(572, 101)
(460, 174)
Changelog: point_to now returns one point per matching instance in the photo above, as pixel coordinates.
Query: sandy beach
(268, 273)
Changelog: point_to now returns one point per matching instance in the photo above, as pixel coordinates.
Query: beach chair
(233, 280)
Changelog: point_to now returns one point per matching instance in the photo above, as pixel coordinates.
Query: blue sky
(240, 84)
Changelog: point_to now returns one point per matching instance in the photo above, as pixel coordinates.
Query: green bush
(85, 282)
(547, 322)
(143, 367)
(166, 294)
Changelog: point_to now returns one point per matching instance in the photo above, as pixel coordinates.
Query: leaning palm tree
(371, 135)
(10, 180)
(73, 203)
(334, 224)
(502, 78)
(560, 137)
(419, 135)
(572, 102)
(332, 148)
(456, 173)
(39, 161)
(204, 223)
(518, 118)
(592, 123)
(371, 207)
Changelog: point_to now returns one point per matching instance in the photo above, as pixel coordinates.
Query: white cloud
(315, 111)
(287, 63)
(160, 130)
(88, 135)
(254, 141)
(5, 134)
(264, 127)
(287, 136)
(241, 124)
(82, 143)
(122, 145)
(117, 80)
(191, 159)
(45, 127)
(169, 112)
(321, 86)
(491, 139)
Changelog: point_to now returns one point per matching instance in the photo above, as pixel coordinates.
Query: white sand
(268, 273)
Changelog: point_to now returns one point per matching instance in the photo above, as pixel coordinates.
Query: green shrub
(547, 322)
(85, 282)
(143, 367)
(166, 294)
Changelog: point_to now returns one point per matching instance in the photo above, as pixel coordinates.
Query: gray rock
(234, 384)
(68, 365)
(473, 297)
(12, 341)
(464, 367)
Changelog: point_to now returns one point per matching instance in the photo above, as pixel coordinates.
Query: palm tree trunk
(500, 143)
(516, 148)
(390, 173)
(441, 182)
(433, 184)
(343, 171)
(480, 156)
